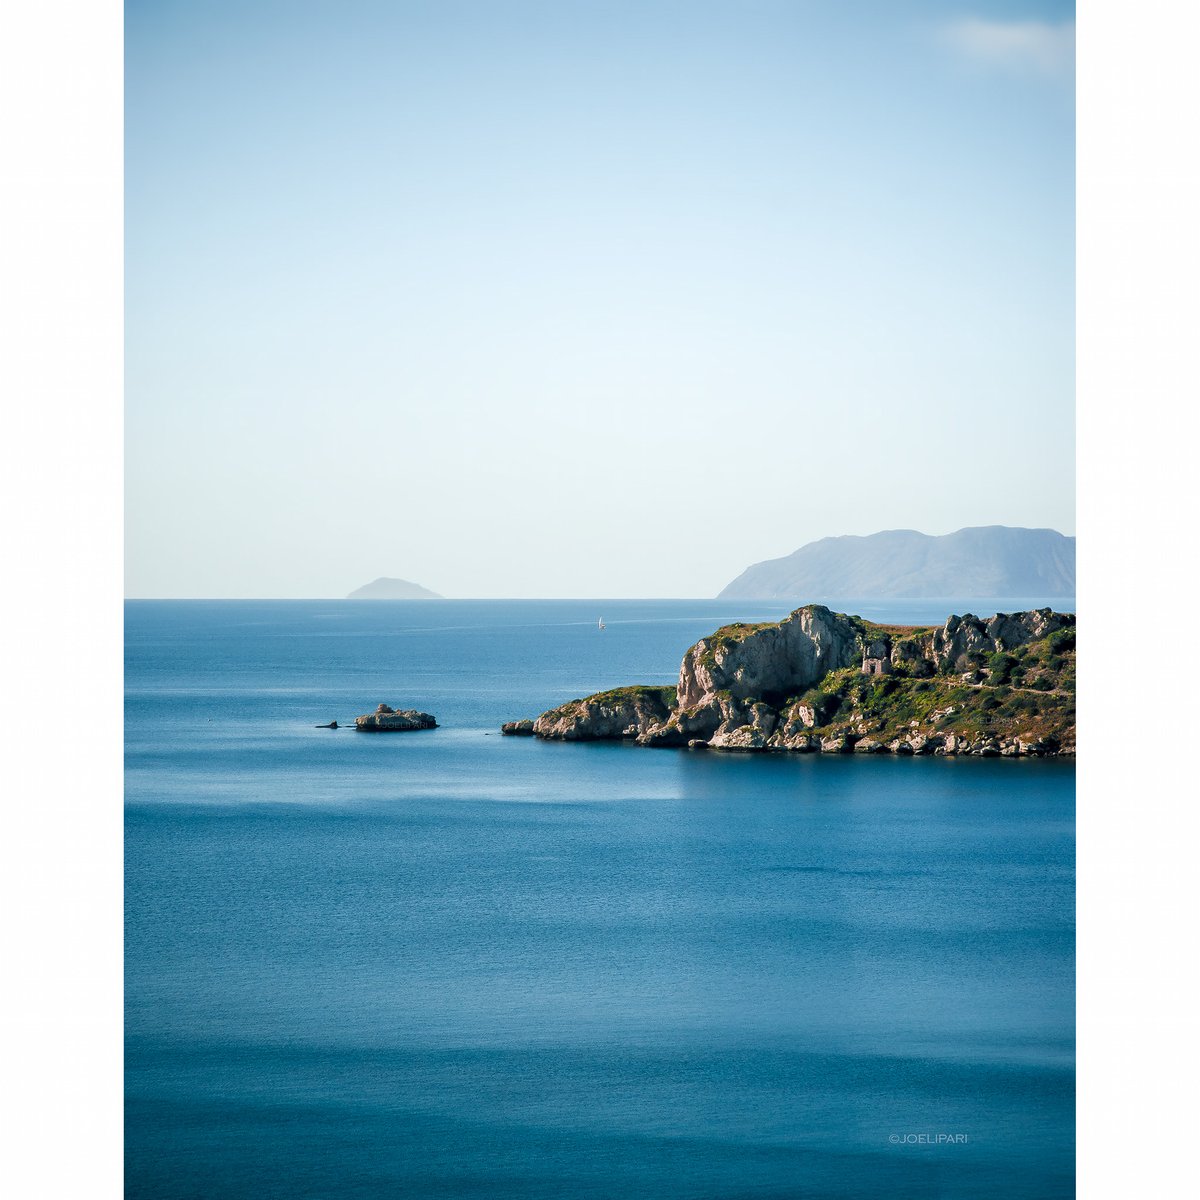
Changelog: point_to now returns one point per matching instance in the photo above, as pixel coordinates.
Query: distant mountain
(990, 560)
(393, 589)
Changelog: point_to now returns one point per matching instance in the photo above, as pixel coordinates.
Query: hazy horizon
(483, 596)
(525, 299)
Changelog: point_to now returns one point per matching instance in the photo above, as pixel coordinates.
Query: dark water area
(450, 964)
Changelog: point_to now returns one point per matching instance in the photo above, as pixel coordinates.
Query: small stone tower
(877, 658)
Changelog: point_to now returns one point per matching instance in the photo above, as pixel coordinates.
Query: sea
(449, 963)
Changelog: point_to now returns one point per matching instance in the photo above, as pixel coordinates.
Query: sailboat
(600, 623)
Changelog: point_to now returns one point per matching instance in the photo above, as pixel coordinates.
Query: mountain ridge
(981, 560)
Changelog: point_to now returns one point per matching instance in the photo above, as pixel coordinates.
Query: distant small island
(990, 560)
(392, 589)
(386, 719)
(825, 681)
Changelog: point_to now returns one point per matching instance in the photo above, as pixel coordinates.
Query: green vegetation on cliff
(1027, 693)
(820, 680)
(663, 694)
(729, 635)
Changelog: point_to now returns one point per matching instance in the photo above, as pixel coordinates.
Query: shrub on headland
(1061, 642)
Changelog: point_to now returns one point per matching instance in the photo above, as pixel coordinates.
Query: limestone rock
(758, 687)
(745, 737)
(1005, 631)
(958, 637)
(840, 743)
(620, 713)
(754, 662)
(910, 655)
(787, 738)
(791, 729)
(1010, 630)
(389, 720)
(920, 744)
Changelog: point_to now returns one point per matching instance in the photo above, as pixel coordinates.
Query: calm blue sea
(451, 964)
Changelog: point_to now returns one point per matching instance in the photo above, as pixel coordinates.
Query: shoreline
(832, 683)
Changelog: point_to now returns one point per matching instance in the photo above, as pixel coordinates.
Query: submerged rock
(391, 720)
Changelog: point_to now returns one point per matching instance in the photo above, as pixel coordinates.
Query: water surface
(453, 964)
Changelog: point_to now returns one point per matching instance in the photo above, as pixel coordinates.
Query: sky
(588, 298)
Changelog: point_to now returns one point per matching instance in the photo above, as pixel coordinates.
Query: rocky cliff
(820, 680)
(620, 713)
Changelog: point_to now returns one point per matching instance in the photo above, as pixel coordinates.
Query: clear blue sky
(586, 298)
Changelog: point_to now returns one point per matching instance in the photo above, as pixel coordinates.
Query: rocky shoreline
(825, 682)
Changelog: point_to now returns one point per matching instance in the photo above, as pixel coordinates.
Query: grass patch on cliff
(663, 694)
(896, 631)
(728, 636)
(1031, 696)
(739, 630)
(653, 693)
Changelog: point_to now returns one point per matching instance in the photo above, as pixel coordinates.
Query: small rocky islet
(820, 681)
(390, 720)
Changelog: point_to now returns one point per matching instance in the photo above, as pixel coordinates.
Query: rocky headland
(825, 681)
(390, 720)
